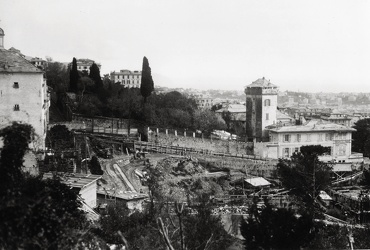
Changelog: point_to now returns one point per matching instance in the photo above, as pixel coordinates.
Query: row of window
(129, 82)
(328, 137)
(127, 76)
(287, 152)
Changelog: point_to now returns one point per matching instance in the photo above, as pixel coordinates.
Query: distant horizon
(311, 46)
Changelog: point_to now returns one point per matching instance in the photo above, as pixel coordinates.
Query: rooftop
(261, 82)
(313, 126)
(74, 180)
(13, 62)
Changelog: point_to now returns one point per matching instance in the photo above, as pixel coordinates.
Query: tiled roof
(13, 62)
(262, 82)
(313, 126)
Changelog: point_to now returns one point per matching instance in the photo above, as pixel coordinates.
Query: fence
(166, 149)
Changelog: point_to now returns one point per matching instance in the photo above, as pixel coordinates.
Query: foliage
(90, 106)
(204, 230)
(36, 213)
(137, 228)
(16, 139)
(278, 228)
(226, 115)
(361, 137)
(95, 167)
(207, 121)
(304, 173)
(73, 76)
(56, 76)
(147, 84)
(60, 138)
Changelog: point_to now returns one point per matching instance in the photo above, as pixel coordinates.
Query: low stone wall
(215, 145)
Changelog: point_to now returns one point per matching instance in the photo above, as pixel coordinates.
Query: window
(16, 107)
(298, 137)
(286, 152)
(267, 102)
(16, 85)
(286, 138)
(267, 116)
(341, 136)
(308, 137)
(342, 149)
(328, 137)
(296, 150)
(320, 137)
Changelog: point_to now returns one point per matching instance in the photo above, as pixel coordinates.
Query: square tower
(261, 106)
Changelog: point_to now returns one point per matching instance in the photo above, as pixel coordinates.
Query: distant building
(38, 62)
(24, 96)
(261, 106)
(337, 118)
(203, 101)
(238, 118)
(127, 78)
(284, 141)
(84, 65)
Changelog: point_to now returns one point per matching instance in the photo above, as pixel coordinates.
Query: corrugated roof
(13, 62)
(261, 82)
(257, 181)
(74, 180)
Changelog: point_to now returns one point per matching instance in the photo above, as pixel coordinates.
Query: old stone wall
(215, 145)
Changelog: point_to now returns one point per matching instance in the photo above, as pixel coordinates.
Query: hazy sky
(206, 44)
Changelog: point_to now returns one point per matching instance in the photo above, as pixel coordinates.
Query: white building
(127, 78)
(23, 94)
(286, 140)
(84, 65)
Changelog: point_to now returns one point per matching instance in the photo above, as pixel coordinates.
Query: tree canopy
(304, 173)
(73, 76)
(36, 213)
(279, 228)
(147, 84)
(361, 137)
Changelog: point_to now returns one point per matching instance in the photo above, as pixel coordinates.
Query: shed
(84, 184)
(257, 182)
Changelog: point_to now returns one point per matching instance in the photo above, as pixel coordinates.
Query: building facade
(261, 106)
(286, 140)
(127, 78)
(24, 96)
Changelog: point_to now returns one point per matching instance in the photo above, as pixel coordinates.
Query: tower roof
(1, 32)
(261, 82)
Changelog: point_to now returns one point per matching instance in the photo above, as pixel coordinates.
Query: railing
(166, 149)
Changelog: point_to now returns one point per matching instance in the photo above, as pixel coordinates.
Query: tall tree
(304, 173)
(73, 76)
(95, 76)
(147, 84)
(276, 228)
(361, 138)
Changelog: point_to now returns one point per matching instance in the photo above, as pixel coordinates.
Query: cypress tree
(95, 76)
(73, 76)
(147, 84)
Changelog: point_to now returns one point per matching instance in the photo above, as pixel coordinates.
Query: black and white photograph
(184, 124)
